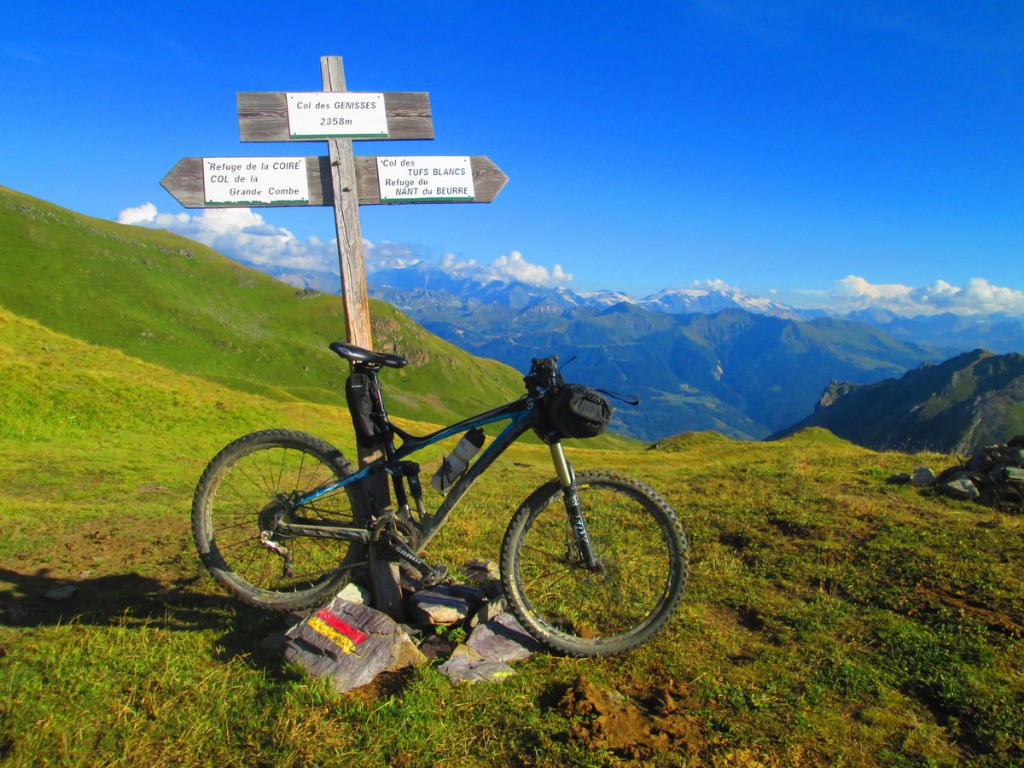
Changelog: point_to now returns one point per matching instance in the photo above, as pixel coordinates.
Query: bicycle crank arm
(429, 574)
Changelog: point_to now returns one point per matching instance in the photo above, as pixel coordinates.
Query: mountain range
(949, 333)
(738, 372)
(972, 400)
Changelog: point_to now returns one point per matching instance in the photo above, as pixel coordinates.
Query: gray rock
(502, 639)
(959, 488)
(354, 593)
(444, 604)
(468, 666)
(922, 477)
(485, 575)
(489, 609)
(62, 593)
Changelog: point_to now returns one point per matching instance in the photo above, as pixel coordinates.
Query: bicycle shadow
(131, 600)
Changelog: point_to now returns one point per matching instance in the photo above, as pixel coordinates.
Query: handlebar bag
(576, 410)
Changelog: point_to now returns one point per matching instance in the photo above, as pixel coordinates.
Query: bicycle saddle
(355, 354)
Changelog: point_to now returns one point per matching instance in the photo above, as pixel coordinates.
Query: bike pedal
(436, 575)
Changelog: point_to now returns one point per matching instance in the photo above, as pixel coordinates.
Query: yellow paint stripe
(320, 627)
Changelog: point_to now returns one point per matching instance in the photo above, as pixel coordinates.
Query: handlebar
(543, 375)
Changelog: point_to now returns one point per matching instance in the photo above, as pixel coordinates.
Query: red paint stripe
(338, 625)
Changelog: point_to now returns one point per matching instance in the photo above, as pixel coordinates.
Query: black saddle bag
(359, 393)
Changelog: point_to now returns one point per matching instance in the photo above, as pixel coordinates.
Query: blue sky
(844, 154)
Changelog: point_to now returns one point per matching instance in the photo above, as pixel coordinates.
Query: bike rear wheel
(233, 514)
(641, 552)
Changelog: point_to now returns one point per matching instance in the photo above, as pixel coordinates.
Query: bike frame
(517, 413)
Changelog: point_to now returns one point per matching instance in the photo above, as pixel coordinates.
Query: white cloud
(240, 234)
(510, 267)
(243, 235)
(515, 267)
(715, 284)
(976, 297)
(387, 255)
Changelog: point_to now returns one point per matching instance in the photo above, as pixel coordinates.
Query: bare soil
(635, 724)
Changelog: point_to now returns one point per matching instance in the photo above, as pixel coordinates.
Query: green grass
(175, 303)
(831, 618)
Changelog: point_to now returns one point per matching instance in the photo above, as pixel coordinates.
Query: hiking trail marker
(344, 182)
(339, 180)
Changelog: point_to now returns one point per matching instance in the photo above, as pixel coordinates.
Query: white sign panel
(255, 180)
(440, 179)
(337, 115)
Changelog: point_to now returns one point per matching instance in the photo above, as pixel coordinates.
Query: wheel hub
(272, 514)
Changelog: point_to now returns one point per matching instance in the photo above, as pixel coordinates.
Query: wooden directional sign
(280, 116)
(216, 182)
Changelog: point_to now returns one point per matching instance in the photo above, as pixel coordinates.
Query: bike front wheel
(626, 598)
(240, 497)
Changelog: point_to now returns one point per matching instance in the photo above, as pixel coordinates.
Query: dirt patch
(634, 727)
(993, 619)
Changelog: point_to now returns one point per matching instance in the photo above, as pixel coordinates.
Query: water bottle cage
(446, 473)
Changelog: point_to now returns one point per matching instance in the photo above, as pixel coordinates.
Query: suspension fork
(570, 494)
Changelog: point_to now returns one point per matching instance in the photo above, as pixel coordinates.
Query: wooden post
(346, 220)
(387, 580)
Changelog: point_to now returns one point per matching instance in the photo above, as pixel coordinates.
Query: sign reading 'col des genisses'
(337, 115)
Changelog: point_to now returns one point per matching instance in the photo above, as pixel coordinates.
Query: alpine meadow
(830, 618)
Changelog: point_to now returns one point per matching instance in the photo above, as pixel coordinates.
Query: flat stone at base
(355, 593)
(502, 639)
(468, 666)
(486, 575)
(444, 604)
(490, 609)
(351, 644)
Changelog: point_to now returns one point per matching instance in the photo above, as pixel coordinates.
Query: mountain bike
(592, 563)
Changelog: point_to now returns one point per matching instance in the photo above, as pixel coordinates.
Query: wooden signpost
(339, 180)
(342, 181)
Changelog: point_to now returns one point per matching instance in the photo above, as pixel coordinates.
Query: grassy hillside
(831, 619)
(173, 302)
